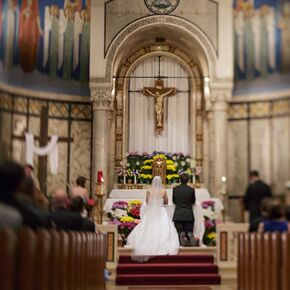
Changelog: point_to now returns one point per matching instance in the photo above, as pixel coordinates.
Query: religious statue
(159, 92)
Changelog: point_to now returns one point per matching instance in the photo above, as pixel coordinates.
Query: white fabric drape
(50, 149)
(142, 135)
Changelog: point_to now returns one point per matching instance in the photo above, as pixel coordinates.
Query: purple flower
(208, 203)
(209, 224)
(120, 205)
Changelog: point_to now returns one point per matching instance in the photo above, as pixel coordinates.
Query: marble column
(102, 101)
(219, 123)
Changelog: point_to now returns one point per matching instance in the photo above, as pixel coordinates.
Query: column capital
(102, 98)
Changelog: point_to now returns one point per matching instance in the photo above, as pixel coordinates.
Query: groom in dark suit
(184, 199)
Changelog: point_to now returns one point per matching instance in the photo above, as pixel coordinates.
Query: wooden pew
(45, 260)
(241, 260)
(264, 261)
(285, 261)
(7, 259)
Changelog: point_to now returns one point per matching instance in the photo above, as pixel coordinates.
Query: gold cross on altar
(159, 92)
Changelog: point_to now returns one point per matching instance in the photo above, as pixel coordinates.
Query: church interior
(98, 97)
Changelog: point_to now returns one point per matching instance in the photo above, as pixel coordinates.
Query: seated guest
(78, 206)
(275, 221)
(39, 197)
(61, 216)
(11, 176)
(9, 217)
(265, 203)
(80, 189)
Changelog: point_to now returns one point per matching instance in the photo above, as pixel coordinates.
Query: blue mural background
(33, 29)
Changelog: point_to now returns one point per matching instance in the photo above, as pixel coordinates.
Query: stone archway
(196, 88)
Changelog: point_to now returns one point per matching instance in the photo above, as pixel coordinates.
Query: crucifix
(159, 92)
(43, 140)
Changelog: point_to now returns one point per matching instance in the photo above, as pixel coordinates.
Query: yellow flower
(211, 235)
(146, 167)
(134, 202)
(127, 219)
(169, 162)
(148, 161)
(171, 167)
(159, 156)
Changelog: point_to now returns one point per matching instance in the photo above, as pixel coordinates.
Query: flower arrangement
(126, 215)
(140, 165)
(210, 222)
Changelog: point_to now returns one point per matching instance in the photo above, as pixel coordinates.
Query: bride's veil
(156, 189)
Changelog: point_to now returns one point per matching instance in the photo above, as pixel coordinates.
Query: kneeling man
(184, 199)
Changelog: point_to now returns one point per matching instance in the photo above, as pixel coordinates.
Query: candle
(135, 179)
(193, 178)
(124, 179)
(100, 176)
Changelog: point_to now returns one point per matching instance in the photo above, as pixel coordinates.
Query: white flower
(128, 164)
(173, 157)
(188, 160)
(175, 163)
(119, 213)
(137, 163)
(182, 163)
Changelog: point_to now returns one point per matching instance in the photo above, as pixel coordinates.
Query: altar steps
(168, 270)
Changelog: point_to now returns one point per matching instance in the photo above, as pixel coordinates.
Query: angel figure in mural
(284, 25)
(85, 46)
(78, 26)
(68, 43)
(51, 38)
(9, 28)
(29, 32)
(76, 5)
(239, 41)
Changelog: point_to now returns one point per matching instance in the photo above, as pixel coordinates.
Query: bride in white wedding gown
(156, 233)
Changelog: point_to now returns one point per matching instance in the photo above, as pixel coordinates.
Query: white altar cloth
(140, 194)
(201, 194)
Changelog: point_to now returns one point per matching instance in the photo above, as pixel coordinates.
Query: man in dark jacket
(184, 199)
(255, 193)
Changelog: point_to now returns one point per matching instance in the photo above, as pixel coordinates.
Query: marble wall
(258, 139)
(66, 119)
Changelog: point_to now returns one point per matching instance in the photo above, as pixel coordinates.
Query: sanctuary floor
(186, 287)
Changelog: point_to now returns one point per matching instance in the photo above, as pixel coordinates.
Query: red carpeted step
(172, 268)
(170, 259)
(168, 279)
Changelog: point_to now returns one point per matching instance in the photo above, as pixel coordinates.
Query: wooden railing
(264, 261)
(46, 260)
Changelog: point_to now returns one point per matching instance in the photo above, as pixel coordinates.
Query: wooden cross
(43, 140)
(159, 92)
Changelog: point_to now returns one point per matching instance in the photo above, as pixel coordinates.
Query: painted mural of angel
(85, 46)
(9, 18)
(61, 31)
(68, 43)
(51, 39)
(239, 39)
(78, 26)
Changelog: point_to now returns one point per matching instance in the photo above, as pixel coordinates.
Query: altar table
(140, 194)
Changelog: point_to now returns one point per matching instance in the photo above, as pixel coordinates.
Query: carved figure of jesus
(159, 92)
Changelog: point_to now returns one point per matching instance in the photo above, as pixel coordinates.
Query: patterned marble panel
(5, 130)
(18, 147)
(58, 127)
(237, 111)
(260, 148)
(80, 160)
(237, 160)
(59, 180)
(260, 109)
(34, 125)
(281, 153)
